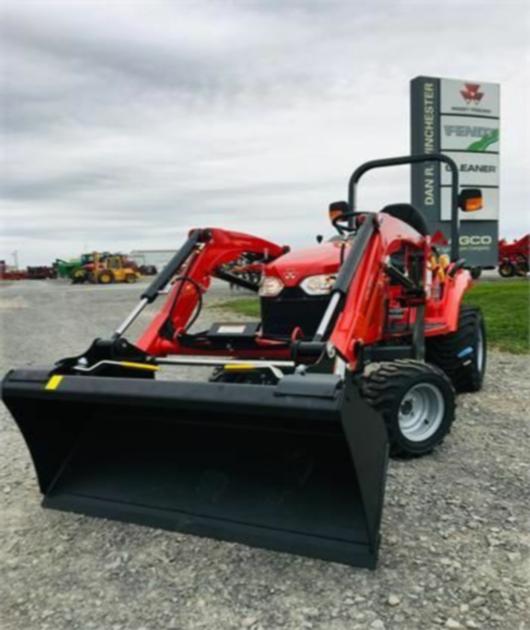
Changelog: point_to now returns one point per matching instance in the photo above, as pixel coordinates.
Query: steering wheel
(346, 229)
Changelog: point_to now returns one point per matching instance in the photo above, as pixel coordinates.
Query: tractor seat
(408, 214)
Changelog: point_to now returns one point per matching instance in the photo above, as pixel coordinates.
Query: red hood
(295, 266)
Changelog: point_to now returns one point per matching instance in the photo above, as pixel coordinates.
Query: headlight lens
(270, 286)
(318, 285)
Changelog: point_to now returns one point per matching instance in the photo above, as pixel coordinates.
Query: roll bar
(414, 159)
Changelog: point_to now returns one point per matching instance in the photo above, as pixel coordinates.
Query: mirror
(337, 209)
(470, 199)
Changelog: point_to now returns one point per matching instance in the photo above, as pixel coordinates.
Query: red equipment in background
(514, 257)
(42, 272)
(10, 273)
(31, 273)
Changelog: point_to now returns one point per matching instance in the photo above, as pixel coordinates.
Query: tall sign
(460, 119)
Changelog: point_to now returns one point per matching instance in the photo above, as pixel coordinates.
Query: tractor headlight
(270, 286)
(318, 285)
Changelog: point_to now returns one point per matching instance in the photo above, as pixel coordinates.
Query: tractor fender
(455, 288)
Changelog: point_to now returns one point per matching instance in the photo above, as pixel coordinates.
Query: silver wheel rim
(480, 350)
(421, 412)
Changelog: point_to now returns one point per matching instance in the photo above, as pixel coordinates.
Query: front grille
(292, 308)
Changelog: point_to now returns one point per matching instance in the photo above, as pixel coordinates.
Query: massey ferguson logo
(471, 93)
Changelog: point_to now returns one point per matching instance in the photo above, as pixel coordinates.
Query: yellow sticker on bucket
(54, 382)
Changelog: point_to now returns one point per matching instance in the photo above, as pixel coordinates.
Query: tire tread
(383, 385)
(443, 351)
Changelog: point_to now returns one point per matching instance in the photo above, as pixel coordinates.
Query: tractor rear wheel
(506, 270)
(417, 402)
(462, 354)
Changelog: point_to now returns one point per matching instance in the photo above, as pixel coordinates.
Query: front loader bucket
(297, 467)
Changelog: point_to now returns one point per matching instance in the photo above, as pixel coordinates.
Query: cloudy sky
(125, 123)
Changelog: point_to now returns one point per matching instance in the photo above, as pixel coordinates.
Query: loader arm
(214, 248)
(361, 320)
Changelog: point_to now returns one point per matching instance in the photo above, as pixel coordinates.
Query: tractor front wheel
(417, 402)
(105, 277)
(130, 278)
(79, 277)
(462, 354)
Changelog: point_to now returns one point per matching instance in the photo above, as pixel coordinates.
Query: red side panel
(442, 315)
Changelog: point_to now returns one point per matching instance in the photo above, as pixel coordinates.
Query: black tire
(388, 389)
(458, 354)
(506, 270)
(521, 269)
(105, 277)
(79, 277)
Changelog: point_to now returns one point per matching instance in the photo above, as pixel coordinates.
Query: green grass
(505, 304)
(242, 306)
(506, 308)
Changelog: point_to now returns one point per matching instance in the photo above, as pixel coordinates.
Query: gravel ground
(455, 549)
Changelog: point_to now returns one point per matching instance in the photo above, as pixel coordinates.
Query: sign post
(460, 119)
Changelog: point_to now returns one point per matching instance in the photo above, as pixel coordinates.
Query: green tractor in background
(73, 269)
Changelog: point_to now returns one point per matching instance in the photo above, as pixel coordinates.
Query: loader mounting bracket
(104, 350)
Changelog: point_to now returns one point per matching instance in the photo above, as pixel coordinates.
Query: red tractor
(514, 257)
(361, 345)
